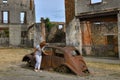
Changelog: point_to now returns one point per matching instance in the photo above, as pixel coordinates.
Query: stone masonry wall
(15, 35)
(119, 33)
(73, 34)
(14, 8)
(73, 31)
(85, 6)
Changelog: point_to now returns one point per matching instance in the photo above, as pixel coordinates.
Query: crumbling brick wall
(69, 10)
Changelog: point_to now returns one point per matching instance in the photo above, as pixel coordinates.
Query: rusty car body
(61, 59)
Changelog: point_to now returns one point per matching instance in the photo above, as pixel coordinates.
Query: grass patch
(106, 66)
(12, 56)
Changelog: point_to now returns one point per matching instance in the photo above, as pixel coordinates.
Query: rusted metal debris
(61, 59)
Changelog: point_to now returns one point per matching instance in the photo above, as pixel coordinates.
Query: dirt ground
(11, 68)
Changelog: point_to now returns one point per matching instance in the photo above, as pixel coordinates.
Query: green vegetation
(48, 24)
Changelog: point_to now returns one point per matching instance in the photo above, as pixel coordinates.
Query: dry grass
(112, 67)
(12, 56)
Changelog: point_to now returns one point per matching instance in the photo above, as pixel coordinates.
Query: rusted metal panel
(75, 61)
(46, 62)
(57, 61)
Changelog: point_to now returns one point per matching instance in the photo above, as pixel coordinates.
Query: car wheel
(62, 69)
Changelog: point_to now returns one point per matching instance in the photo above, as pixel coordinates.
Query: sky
(95, 1)
(52, 9)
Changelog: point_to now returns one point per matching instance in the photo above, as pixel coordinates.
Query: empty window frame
(5, 17)
(24, 34)
(60, 26)
(5, 1)
(22, 17)
(75, 53)
(96, 1)
(59, 53)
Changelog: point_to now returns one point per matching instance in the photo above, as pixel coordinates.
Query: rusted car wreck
(61, 59)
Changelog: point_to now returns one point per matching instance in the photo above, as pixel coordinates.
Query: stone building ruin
(98, 24)
(53, 36)
(15, 18)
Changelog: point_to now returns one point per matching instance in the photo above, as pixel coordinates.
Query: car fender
(71, 68)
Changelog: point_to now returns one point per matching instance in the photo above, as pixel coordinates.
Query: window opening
(22, 17)
(95, 1)
(60, 26)
(5, 17)
(5, 1)
(75, 53)
(59, 53)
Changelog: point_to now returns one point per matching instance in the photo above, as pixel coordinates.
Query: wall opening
(5, 1)
(5, 17)
(22, 17)
(23, 37)
(95, 1)
(60, 26)
(4, 37)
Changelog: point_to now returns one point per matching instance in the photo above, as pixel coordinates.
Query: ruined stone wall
(100, 39)
(97, 32)
(31, 36)
(52, 33)
(73, 30)
(56, 34)
(119, 33)
(83, 6)
(15, 35)
(73, 34)
(86, 37)
(43, 32)
(100, 32)
(14, 8)
(39, 33)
